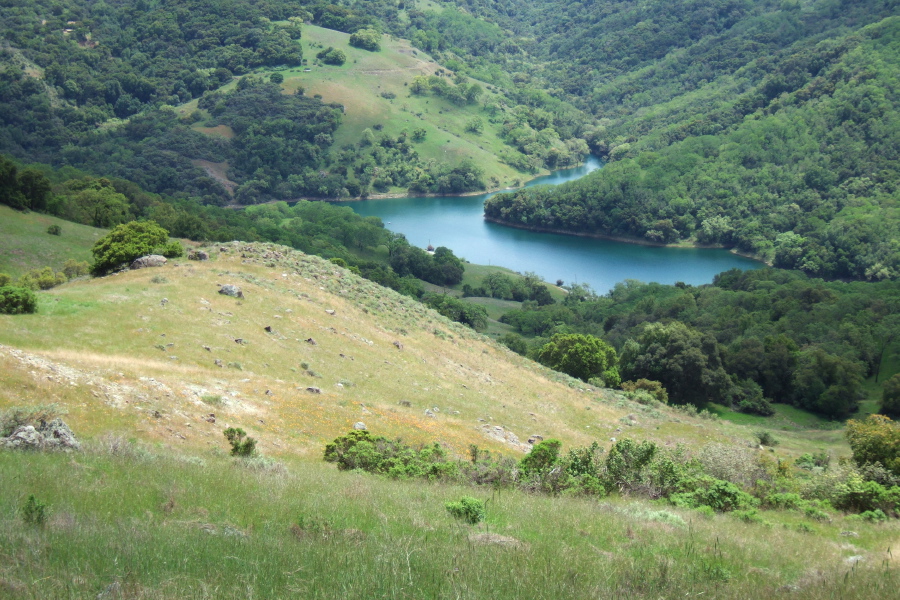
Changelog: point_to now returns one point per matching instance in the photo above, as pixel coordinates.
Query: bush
(377, 454)
(42, 279)
(654, 388)
(127, 242)
(173, 249)
(721, 496)
(367, 39)
(73, 268)
(17, 301)
(332, 56)
(241, 445)
(5, 280)
(54, 230)
(890, 397)
(468, 509)
(765, 438)
(875, 440)
(34, 513)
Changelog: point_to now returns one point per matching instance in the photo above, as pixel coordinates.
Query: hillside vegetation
(310, 350)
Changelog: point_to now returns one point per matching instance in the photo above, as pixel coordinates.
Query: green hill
(26, 245)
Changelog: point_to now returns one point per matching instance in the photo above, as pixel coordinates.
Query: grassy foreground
(125, 523)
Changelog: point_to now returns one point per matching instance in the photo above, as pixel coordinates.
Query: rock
(329, 311)
(268, 328)
(231, 290)
(428, 413)
(405, 403)
(151, 260)
(24, 437)
(58, 435)
(359, 425)
(54, 435)
(849, 534)
(313, 390)
(398, 345)
(534, 439)
(198, 255)
(311, 341)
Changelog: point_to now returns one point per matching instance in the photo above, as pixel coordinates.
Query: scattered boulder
(150, 260)
(54, 435)
(359, 425)
(198, 255)
(311, 341)
(231, 290)
(534, 439)
(313, 390)
(398, 345)
(330, 312)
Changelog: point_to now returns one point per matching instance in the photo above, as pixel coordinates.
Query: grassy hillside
(359, 86)
(142, 395)
(26, 245)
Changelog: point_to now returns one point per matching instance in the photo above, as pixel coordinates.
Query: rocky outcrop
(151, 260)
(54, 435)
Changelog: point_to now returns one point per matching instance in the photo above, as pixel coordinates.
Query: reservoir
(458, 223)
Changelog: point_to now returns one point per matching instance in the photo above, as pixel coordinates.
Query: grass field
(26, 245)
(130, 521)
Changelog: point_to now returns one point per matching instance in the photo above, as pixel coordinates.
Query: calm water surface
(458, 223)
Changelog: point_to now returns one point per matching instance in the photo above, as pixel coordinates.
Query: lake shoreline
(625, 239)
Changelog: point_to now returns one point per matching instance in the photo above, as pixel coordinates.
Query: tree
(875, 440)
(126, 243)
(367, 39)
(581, 356)
(890, 397)
(686, 361)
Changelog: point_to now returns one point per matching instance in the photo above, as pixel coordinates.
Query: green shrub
(367, 39)
(73, 268)
(54, 230)
(377, 454)
(654, 388)
(765, 438)
(468, 509)
(875, 440)
(241, 445)
(127, 242)
(543, 457)
(17, 301)
(332, 56)
(874, 516)
(42, 279)
(34, 513)
(721, 496)
(172, 249)
(5, 280)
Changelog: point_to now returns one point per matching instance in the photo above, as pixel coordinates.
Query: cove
(458, 223)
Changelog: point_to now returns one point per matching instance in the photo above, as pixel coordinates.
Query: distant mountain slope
(801, 169)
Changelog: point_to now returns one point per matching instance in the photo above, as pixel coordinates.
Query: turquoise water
(458, 223)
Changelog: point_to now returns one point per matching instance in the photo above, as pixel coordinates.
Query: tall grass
(159, 526)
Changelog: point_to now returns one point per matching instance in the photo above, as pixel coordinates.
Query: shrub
(654, 388)
(765, 438)
(72, 268)
(332, 56)
(5, 280)
(17, 301)
(367, 39)
(377, 454)
(721, 496)
(736, 464)
(127, 242)
(241, 445)
(173, 249)
(875, 440)
(54, 230)
(811, 461)
(581, 356)
(42, 279)
(18, 416)
(34, 513)
(468, 509)
(543, 457)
